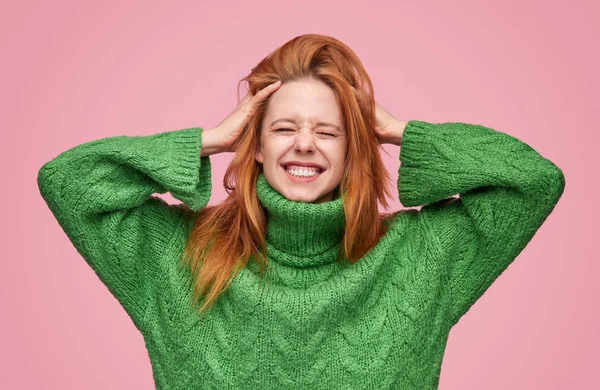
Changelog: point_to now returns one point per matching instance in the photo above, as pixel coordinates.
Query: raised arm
(100, 192)
(506, 191)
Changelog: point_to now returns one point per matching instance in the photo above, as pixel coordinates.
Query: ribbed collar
(301, 234)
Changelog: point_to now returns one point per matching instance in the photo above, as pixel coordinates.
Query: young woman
(303, 283)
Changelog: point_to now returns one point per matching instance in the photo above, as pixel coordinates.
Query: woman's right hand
(222, 138)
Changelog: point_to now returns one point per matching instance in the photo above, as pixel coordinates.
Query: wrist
(397, 132)
(211, 143)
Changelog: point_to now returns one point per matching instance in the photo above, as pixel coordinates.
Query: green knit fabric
(313, 322)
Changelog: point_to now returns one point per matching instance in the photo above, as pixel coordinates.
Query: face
(303, 142)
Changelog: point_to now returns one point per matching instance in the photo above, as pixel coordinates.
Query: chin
(306, 198)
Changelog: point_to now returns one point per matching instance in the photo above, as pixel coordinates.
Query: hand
(389, 130)
(228, 131)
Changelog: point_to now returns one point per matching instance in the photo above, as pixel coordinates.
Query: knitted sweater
(313, 323)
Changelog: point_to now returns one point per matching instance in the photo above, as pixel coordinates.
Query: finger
(266, 91)
(249, 102)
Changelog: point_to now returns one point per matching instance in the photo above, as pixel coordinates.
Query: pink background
(73, 73)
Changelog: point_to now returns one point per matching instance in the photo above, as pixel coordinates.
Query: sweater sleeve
(100, 192)
(506, 190)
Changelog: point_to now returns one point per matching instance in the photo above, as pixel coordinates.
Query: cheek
(336, 153)
(274, 149)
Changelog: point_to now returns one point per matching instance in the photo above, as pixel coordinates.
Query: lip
(303, 164)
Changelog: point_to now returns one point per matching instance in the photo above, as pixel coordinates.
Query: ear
(259, 156)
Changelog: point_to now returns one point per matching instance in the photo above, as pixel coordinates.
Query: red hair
(226, 236)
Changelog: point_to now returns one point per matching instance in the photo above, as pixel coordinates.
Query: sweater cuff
(420, 155)
(414, 149)
(191, 173)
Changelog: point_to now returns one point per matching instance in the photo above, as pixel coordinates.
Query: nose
(305, 142)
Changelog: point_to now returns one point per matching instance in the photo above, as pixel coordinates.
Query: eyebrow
(322, 124)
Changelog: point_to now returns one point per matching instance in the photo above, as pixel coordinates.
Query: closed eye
(283, 130)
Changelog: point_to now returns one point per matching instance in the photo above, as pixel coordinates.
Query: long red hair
(226, 236)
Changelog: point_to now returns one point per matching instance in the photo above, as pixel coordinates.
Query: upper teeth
(304, 171)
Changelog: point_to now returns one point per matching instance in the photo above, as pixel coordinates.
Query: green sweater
(381, 323)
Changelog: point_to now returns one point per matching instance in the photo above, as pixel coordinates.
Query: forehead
(305, 100)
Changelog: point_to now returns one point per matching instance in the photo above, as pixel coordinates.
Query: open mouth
(303, 172)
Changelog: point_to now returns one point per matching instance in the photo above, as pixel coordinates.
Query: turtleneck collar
(301, 234)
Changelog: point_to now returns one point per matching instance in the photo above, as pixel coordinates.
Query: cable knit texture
(313, 322)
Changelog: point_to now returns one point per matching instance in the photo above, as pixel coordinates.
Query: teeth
(303, 172)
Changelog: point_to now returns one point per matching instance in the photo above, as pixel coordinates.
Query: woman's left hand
(389, 130)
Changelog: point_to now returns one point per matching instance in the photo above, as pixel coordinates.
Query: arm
(506, 191)
(100, 192)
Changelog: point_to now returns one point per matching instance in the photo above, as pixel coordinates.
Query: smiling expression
(303, 142)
